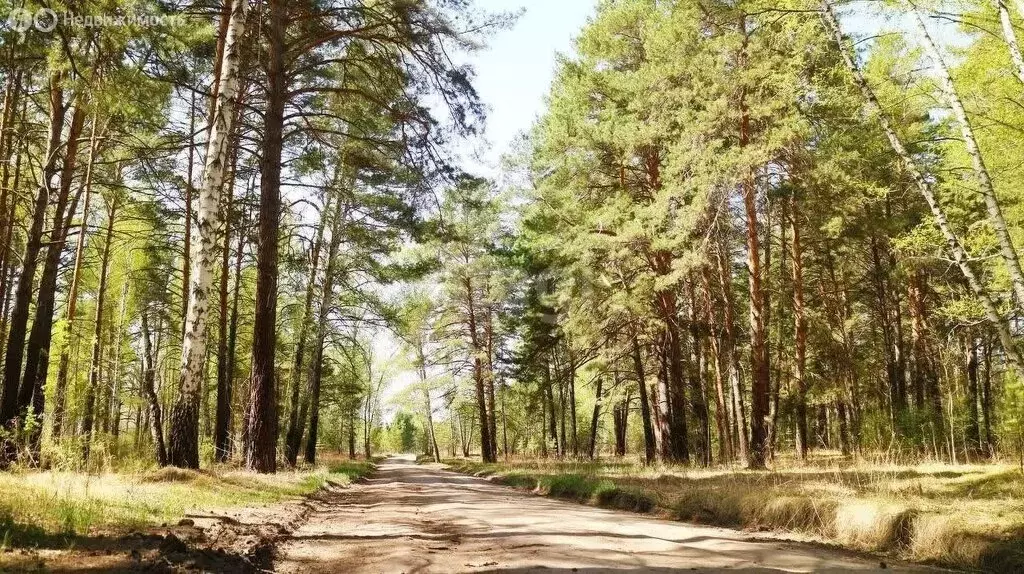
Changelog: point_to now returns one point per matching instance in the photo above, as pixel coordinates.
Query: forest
(742, 235)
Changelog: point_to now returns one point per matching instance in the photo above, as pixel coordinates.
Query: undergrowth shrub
(626, 498)
(574, 486)
(520, 480)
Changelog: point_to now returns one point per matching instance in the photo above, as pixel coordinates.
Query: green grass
(38, 505)
(968, 516)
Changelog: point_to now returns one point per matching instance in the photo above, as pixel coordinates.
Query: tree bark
(23, 295)
(154, 413)
(293, 438)
(988, 192)
(549, 395)
(972, 433)
(37, 352)
(726, 448)
(698, 399)
(731, 350)
(97, 336)
(1010, 37)
(645, 402)
(800, 330)
(115, 391)
(222, 417)
(184, 436)
(595, 419)
(326, 304)
(760, 383)
(261, 423)
(60, 391)
(486, 441)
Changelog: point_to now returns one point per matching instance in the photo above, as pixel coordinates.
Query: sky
(514, 73)
(515, 70)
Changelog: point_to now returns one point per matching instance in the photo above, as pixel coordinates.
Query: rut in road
(420, 518)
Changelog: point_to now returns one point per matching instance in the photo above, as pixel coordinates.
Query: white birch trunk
(1010, 36)
(988, 192)
(953, 243)
(184, 433)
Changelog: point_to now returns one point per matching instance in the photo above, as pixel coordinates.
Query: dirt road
(419, 518)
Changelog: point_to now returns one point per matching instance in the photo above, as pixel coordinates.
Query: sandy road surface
(414, 518)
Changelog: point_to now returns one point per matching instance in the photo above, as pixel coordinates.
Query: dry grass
(34, 505)
(969, 516)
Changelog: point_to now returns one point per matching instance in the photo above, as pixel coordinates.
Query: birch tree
(183, 448)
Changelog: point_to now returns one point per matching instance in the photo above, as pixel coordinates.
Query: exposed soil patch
(230, 540)
(422, 518)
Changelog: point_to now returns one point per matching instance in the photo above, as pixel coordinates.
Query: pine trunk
(595, 419)
(97, 337)
(18, 331)
(261, 424)
(799, 330)
(293, 438)
(320, 334)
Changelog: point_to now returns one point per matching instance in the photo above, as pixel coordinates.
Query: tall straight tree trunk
(224, 419)
(726, 448)
(97, 337)
(421, 370)
(986, 400)
(760, 375)
(261, 423)
(799, 330)
(492, 415)
(486, 441)
(760, 383)
(8, 197)
(186, 260)
(60, 391)
(574, 442)
(316, 366)
(37, 352)
(1010, 37)
(293, 438)
(915, 304)
(645, 402)
(431, 435)
(115, 391)
(549, 400)
(17, 332)
(731, 349)
(595, 419)
(972, 432)
(953, 243)
(988, 192)
(620, 419)
(154, 413)
(222, 416)
(698, 400)
(184, 434)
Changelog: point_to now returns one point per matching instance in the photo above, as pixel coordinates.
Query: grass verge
(38, 506)
(958, 516)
